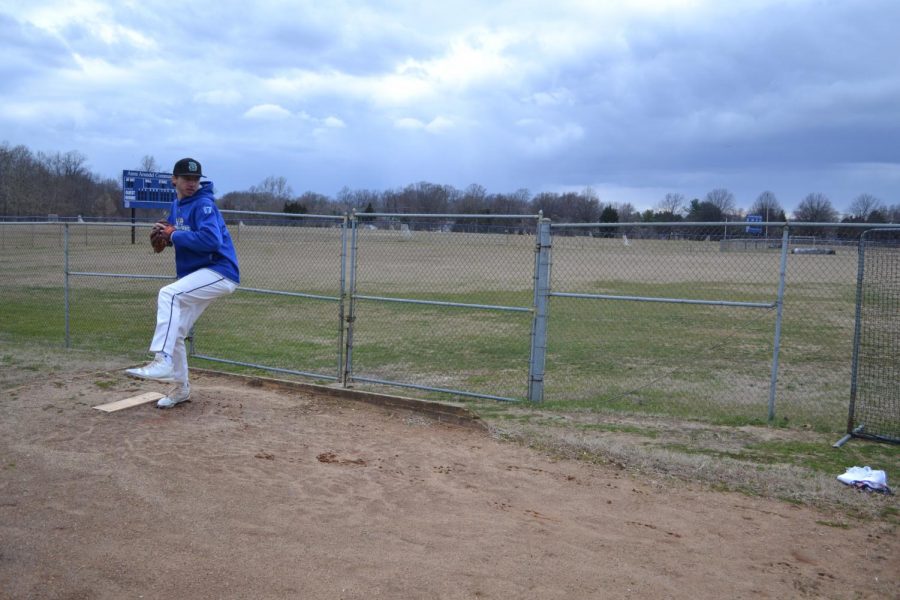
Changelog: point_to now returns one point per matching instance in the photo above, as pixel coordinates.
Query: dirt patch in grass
(21, 364)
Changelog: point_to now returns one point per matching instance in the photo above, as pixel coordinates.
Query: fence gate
(875, 383)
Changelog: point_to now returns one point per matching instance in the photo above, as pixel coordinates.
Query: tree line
(37, 184)
(40, 184)
(274, 194)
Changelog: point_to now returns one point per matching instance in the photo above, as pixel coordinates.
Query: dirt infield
(252, 492)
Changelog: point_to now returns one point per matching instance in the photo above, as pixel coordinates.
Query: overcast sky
(634, 98)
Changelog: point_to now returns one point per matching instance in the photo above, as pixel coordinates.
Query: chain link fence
(874, 389)
(678, 319)
(662, 320)
(443, 303)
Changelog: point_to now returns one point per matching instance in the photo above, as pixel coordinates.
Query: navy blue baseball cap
(187, 166)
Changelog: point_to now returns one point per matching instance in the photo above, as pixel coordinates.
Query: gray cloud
(673, 96)
(27, 53)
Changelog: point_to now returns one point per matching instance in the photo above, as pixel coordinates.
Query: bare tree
(408, 200)
(515, 203)
(20, 180)
(548, 203)
(522, 196)
(673, 203)
(574, 207)
(767, 206)
(65, 189)
(473, 200)
(271, 195)
(367, 200)
(433, 198)
(627, 212)
(54, 183)
(306, 203)
(70, 164)
(864, 205)
(587, 207)
(317, 204)
(148, 163)
(893, 213)
(277, 187)
(815, 208)
(722, 199)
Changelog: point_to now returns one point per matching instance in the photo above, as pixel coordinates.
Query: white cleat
(160, 370)
(176, 395)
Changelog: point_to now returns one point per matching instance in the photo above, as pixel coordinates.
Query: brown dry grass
(721, 457)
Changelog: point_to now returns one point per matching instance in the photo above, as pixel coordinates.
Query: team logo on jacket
(207, 210)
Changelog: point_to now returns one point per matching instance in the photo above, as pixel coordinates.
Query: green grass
(681, 360)
(825, 459)
(648, 358)
(34, 313)
(105, 384)
(814, 456)
(834, 524)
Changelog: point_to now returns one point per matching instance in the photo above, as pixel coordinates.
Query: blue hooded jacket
(201, 239)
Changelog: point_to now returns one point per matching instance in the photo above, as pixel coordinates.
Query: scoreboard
(754, 229)
(147, 189)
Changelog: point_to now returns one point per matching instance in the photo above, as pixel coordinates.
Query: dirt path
(257, 493)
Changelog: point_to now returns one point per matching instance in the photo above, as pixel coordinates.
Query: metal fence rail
(698, 320)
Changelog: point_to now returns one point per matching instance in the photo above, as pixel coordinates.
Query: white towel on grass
(865, 477)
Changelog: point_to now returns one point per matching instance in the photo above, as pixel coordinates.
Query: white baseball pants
(178, 307)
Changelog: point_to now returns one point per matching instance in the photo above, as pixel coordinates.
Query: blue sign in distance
(147, 189)
(754, 219)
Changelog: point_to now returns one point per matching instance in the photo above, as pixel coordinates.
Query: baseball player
(206, 266)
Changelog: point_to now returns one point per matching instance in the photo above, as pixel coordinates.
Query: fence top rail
(695, 224)
(283, 214)
(23, 223)
(664, 224)
(444, 216)
(92, 224)
(690, 224)
(865, 234)
(108, 224)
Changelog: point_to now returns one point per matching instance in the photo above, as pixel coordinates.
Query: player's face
(186, 185)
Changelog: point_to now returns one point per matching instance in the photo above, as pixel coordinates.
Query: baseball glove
(161, 236)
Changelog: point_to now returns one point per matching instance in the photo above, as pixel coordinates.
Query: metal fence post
(347, 375)
(854, 364)
(537, 364)
(66, 277)
(343, 298)
(779, 309)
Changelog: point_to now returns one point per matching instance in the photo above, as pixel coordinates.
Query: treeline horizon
(34, 184)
